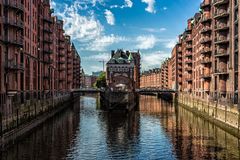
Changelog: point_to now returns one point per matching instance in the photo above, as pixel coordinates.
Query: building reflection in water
(122, 134)
(48, 141)
(159, 130)
(192, 137)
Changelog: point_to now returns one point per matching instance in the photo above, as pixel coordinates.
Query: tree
(101, 81)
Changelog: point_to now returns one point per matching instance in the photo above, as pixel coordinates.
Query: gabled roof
(119, 57)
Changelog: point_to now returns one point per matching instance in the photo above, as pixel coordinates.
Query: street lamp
(103, 63)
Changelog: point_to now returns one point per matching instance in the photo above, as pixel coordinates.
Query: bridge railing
(155, 90)
(87, 90)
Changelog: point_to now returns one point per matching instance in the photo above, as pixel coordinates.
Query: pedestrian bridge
(142, 90)
(87, 90)
(155, 90)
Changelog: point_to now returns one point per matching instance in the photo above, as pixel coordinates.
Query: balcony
(206, 50)
(13, 4)
(221, 53)
(61, 39)
(205, 40)
(61, 54)
(188, 39)
(14, 41)
(206, 19)
(222, 27)
(61, 61)
(222, 40)
(179, 49)
(61, 46)
(13, 22)
(179, 43)
(189, 79)
(220, 2)
(221, 71)
(47, 30)
(11, 65)
(206, 29)
(48, 40)
(47, 19)
(205, 4)
(206, 75)
(221, 14)
(189, 69)
(188, 61)
(188, 30)
(188, 54)
(206, 60)
(47, 50)
(188, 46)
(48, 60)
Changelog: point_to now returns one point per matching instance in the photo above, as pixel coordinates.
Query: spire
(130, 57)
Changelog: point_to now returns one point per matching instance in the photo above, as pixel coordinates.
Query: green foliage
(101, 81)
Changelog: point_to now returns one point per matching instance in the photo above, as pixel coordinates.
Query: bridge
(155, 90)
(87, 90)
(141, 90)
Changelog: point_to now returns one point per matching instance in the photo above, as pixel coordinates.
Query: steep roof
(119, 57)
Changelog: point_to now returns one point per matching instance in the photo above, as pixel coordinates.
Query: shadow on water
(156, 130)
(49, 140)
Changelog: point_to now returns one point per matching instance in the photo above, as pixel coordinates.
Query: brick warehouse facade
(38, 61)
(123, 70)
(205, 60)
(159, 77)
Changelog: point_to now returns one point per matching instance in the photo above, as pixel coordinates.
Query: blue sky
(99, 26)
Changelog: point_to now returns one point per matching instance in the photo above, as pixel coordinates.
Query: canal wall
(37, 112)
(224, 116)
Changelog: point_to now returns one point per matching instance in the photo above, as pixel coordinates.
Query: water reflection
(191, 136)
(49, 141)
(159, 130)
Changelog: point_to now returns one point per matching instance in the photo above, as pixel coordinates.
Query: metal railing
(14, 3)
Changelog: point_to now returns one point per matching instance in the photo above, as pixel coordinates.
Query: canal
(158, 130)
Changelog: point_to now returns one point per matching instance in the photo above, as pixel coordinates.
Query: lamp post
(103, 63)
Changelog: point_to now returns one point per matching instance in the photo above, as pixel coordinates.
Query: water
(159, 130)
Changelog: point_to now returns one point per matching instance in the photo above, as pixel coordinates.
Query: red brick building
(151, 79)
(123, 70)
(209, 47)
(205, 61)
(159, 77)
(38, 60)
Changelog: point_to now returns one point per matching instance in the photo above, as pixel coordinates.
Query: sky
(99, 26)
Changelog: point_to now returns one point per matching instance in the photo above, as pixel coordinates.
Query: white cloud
(79, 27)
(150, 5)
(127, 4)
(152, 60)
(146, 42)
(171, 43)
(97, 57)
(96, 68)
(101, 43)
(154, 30)
(52, 4)
(109, 17)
